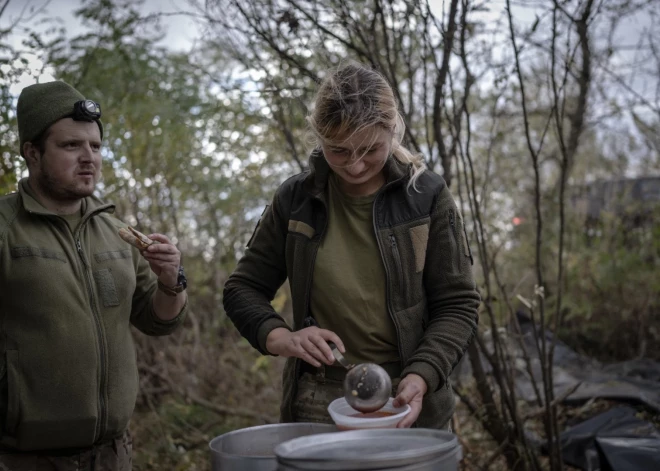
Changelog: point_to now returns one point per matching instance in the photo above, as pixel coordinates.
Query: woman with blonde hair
(376, 257)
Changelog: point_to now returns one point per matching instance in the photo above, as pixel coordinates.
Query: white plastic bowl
(343, 414)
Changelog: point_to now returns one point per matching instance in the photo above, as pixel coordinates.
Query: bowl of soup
(347, 418)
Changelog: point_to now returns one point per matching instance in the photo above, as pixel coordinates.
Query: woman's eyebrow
(371, 146)
(375, 145)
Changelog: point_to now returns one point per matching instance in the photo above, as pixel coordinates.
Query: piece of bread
(135, 238)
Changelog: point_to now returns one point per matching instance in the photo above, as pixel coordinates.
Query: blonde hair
(353, 98)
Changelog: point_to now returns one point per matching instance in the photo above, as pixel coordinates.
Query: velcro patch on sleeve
(301, 228)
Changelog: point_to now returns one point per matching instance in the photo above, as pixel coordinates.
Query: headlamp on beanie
(41, 105)
(86, 110)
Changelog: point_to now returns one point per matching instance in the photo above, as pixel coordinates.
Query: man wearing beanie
(70, 288)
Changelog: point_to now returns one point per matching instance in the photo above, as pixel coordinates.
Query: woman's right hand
(309, 344)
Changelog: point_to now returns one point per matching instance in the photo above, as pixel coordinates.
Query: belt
(338, 373)
(61, 452)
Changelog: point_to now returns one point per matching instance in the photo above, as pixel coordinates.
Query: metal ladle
(367, 386)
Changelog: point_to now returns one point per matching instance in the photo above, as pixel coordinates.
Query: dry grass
(174, 434)
(195, 385)
(206, 380)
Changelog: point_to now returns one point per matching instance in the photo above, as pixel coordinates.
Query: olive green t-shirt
(71, 219)
(348, 285)
(74, 219)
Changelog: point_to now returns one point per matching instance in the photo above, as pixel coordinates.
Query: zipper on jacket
(308, 300)
(397, 261)
(308, 293)
(456, 250)
(100, 429)
(388, 275)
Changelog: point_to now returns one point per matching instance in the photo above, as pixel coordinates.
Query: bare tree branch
(3, 7)
(438, 98)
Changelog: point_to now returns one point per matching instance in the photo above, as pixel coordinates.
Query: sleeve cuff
(427, 372)
(266, 328)
(179, 317)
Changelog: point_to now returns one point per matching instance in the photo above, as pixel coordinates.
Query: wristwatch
(182, 284)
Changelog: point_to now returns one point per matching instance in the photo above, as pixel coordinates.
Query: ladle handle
(339, 357)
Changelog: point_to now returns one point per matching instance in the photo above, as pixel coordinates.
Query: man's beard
(57, 190)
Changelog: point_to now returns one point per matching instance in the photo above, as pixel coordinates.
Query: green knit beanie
(41, 105)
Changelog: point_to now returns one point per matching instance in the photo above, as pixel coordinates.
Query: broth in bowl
(347, 418)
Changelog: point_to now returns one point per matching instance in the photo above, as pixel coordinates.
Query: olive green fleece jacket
(68, 371)
(430, 290)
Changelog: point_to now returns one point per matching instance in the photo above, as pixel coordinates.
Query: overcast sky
(638, 72)
(181, 32)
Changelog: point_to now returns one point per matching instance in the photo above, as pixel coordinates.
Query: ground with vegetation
(523, 107)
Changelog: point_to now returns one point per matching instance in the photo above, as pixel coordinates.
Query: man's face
(70, 165)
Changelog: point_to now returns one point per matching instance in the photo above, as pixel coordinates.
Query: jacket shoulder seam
(291, 181)
(437, 182)
(287, 189)
(115, 221)
(437, 188)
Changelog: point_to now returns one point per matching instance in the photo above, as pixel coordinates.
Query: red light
(516, 221)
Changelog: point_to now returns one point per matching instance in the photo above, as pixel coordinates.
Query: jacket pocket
(256, 228)
(412, 323)
(25, 251)
(460, 247)
(419, 236)
(105, 283)
(13, 392)
(398, 267)
(114, 277)
(112, 255)
(466, 244)
(454, 243)
(403, 250)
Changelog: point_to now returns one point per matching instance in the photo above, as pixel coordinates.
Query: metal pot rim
(254, 429)
(292, 452)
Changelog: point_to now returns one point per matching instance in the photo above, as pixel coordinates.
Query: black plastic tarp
(615, 440)
(577, 378)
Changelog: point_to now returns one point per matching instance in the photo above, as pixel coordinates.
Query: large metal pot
(443, 463)
(251, 449)
(393, 449)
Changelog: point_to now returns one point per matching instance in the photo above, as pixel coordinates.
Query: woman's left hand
(411, 391)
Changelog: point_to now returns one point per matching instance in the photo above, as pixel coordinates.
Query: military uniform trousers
(318, 387)
(113, 455)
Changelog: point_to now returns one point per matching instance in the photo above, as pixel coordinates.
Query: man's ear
(31, 154)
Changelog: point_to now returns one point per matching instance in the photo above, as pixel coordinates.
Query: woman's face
(359, 159)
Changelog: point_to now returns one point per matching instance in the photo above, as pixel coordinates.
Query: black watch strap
(182, 284)
(171, 291)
